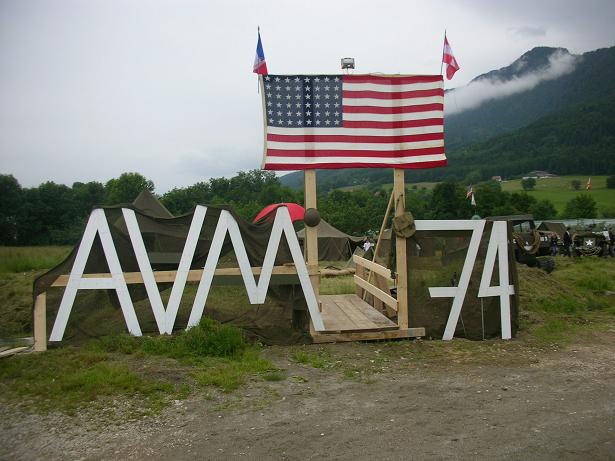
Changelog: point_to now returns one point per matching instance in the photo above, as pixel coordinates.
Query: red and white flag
(449, 59)
(353, 121)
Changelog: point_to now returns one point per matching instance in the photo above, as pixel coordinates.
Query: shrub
(528, 183)
(208, 338)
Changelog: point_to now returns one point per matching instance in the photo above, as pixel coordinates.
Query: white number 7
(497, 244)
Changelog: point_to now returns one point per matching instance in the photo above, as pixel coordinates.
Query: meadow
(559, 190)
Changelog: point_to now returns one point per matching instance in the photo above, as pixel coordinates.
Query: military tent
(333, 244)
(150, 205)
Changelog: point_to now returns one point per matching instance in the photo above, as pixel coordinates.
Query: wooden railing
(375, 291)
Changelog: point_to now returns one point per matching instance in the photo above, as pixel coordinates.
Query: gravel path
(557, 405)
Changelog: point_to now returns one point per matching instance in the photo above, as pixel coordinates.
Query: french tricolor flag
(260, 65)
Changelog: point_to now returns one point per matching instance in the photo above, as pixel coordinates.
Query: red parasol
(296, 212)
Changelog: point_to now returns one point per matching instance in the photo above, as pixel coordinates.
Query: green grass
(16, 304)
(69, 378)
(559, 191)
(337, 285)
(572, 298)
(229, 374)
(152, 370)
(24, 259)
(315, 358)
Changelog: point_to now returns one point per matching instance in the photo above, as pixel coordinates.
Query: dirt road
(497, 401)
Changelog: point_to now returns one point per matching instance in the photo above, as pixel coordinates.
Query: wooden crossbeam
(169, 276)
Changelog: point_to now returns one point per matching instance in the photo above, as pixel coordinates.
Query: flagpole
(442, 58)
(258, 80)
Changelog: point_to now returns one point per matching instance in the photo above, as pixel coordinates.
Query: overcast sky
(93, 88)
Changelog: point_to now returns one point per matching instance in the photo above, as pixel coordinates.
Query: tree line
(55, 214)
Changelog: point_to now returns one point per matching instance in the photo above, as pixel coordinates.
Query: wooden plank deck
(349, 313)
(349, 318)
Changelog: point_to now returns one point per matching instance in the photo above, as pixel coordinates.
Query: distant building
(537, 174)
(496, 178)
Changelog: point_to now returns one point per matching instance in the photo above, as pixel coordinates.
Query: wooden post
(380, 234)
(399, 192)
(311, 235)
(40, 323)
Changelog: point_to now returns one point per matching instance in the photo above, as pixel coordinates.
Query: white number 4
(498, 245)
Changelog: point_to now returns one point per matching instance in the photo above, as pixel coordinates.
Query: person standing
(554, 245)
(567, 242)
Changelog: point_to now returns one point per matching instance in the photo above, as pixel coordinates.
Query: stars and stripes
(353, 121)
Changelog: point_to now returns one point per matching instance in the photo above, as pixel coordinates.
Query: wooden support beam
(311, 234)
(368, 336)
(40, 323)
(377, 292)
(399, 192)
(169, 276)
(381, 233)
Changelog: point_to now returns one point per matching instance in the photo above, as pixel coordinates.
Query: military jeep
(532, 246)
(590, 244)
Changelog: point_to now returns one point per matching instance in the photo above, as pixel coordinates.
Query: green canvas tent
(333, 244)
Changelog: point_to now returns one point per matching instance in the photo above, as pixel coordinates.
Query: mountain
(580, 139)
(559, 80)
(537, 101)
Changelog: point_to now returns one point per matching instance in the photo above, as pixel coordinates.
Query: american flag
(353, 121)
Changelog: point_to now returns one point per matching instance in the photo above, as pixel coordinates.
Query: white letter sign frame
(498, 244)
(165, 318)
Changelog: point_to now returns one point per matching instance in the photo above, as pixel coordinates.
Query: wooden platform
(341, 313)
(349, 318)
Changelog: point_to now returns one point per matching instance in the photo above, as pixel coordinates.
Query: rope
(535, 243)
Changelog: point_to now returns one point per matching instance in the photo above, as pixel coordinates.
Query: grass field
(559, 190)
(24, 259)
(148, 373)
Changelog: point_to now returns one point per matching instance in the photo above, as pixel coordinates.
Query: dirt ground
(493, 400)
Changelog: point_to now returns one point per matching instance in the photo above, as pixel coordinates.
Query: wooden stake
(40, 323)
(399, 193)
(382, 228)
(311, 233)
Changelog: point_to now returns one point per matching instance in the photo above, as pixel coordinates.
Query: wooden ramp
(349, 318)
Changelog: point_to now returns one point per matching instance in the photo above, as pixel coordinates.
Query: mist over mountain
(531, 69)
(541, 82)
(535, 113)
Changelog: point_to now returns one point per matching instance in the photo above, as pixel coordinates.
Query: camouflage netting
(438, 263)
(282, 319)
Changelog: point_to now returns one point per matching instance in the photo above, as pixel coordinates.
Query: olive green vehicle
(532, 246)
(590, 244)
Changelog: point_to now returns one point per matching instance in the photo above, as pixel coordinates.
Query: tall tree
(11, 202)
(126, 188)
(448, 202)
(582, 206)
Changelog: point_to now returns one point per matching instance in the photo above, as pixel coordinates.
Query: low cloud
(527, 32)
(480, 91)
